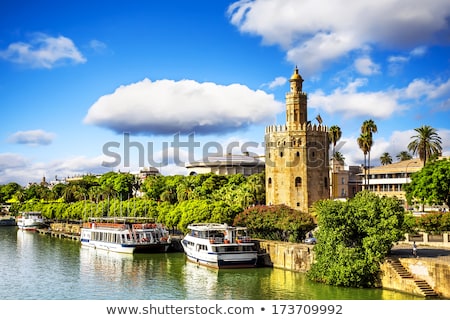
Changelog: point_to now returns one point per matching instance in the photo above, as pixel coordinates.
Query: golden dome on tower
(296, 76)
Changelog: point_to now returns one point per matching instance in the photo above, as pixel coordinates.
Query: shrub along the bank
(354, 237)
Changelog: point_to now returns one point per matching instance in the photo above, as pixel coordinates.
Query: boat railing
(217, 240)
(93, 225)
(243, 239)
(145, 226)
(221, 240)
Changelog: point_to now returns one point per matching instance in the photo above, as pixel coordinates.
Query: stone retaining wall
(286, 255)
(299, 257)
(436, 274)
(68, 228)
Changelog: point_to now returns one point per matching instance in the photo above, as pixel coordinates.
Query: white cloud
(422, 88)
(11, 161)
(43, 51)
(32, 137)
(97, 45)
(322, 49)
(315, 33)
(366, 66)
(167, 107)
(397, 62)
(394, 144)
(16, 168)
(350, 103)
(277, 82)
(419, 51)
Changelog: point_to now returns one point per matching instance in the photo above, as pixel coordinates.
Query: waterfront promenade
(424, 252)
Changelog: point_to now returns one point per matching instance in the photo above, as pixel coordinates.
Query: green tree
(58, 190)
(385, 158)
(7, 191)
(37, 192)
(369, 127)
(354, 237)
(334, 134)
(277, 222)
(426, 143)
(403, 155)
(430, 185)
(338, 156)
(364, 142)
(153, 186)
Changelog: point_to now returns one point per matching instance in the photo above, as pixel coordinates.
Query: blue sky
(95, 86)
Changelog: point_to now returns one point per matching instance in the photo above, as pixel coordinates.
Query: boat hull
(224, 261)
(30, 227)
(120, 248)
(124, 248)
(5, 222)
(152, 248)
(220, 255)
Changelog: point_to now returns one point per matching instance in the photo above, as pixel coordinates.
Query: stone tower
(297, 172)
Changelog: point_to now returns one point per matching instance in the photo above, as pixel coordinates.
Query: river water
(39, 267)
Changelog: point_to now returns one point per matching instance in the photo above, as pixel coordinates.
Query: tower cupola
(296, 81)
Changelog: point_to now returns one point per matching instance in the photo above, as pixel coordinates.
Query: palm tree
(334, 134)
(338, 156)
(20, 195)
(364, 142)
(426, 143)
(369, 127)
(403, 155)
(386, 159)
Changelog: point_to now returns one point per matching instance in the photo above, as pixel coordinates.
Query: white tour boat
(122, 235)
(7, 221)
(219, 246)
(30, 220)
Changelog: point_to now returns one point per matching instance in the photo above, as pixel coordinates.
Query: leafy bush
(278, 222)
(354, 237)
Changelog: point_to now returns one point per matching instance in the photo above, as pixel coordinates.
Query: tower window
(269, 181)
(325, 182)
(281, 154)
(298, 182)
(298, 154)
(298, 204)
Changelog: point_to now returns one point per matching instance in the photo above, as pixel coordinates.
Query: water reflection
(25, 241)
(200, 282)
(270, 284)
(126, 276)
(49, 268)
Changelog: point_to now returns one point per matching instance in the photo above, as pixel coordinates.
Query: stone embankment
(427, 276)
(62, 230)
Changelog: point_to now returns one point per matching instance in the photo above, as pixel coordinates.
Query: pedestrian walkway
(423, 252)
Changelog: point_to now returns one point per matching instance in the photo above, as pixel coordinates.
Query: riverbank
(427, 276)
